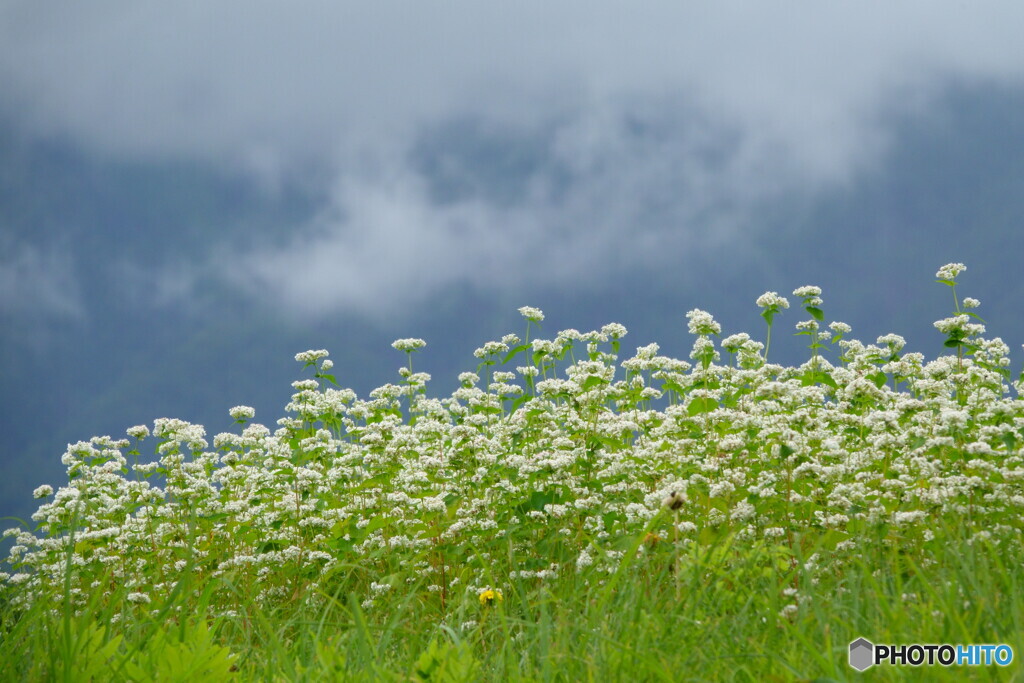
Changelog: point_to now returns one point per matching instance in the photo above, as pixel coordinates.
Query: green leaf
(487, 410)
(593, 381)
(537, 501)
(669, 385)
(816, 313)
(515, 352)
(701, 405)
(376, 523)
(516, 404)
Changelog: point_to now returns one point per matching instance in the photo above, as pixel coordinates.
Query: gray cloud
(39, 283)
(640, 131)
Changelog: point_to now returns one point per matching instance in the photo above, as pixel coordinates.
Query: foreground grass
(704, 521)
(715, 614)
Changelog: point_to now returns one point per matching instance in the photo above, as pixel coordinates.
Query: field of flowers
(564, 514)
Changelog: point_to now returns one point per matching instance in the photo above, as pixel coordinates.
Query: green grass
(562, 516)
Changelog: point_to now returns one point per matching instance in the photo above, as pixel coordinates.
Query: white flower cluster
(772, 300)
(408, 345)
(807, 291)
(589, 453)
(702, 323)
(950, 271)
(242, 413)
(531, 313)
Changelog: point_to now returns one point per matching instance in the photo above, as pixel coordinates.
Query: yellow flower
(489, 597)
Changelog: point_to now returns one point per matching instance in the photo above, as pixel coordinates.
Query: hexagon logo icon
(862, 654)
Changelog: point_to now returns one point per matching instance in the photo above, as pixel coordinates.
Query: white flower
(971, 303)
(839, 328)
(43, 491)
(806, 291)
(950, 271)
(242, 413)
(531, 313)
(614, 330)
(408, 345)
(584, 560)
(733, 342)
(702, 322)
(311, 356)
(895, 341)
(772, 300)
(138, 431)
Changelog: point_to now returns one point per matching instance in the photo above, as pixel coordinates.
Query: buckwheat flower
(490, 596)
(950, 271)
(531, 313)
(138, 431)
(614, 330)
(733, 342)
(490, 348)
(840, 328)
(806, 291)
(584, 560)
(788, 611)
(311, 356)
(957, 322)
(43, 491)
(772, 300)
(807, 325)
(326, 365)
(242, 413)
(971, 303)
(647, 352)
(704, 348)
(702, 322)
(408, 345)
(138, 598)
(529, 371)
(893, 341)
(544, 346)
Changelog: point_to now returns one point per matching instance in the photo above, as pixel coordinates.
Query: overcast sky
(466, 142)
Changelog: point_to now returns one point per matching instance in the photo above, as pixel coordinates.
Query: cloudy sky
(341, 171)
